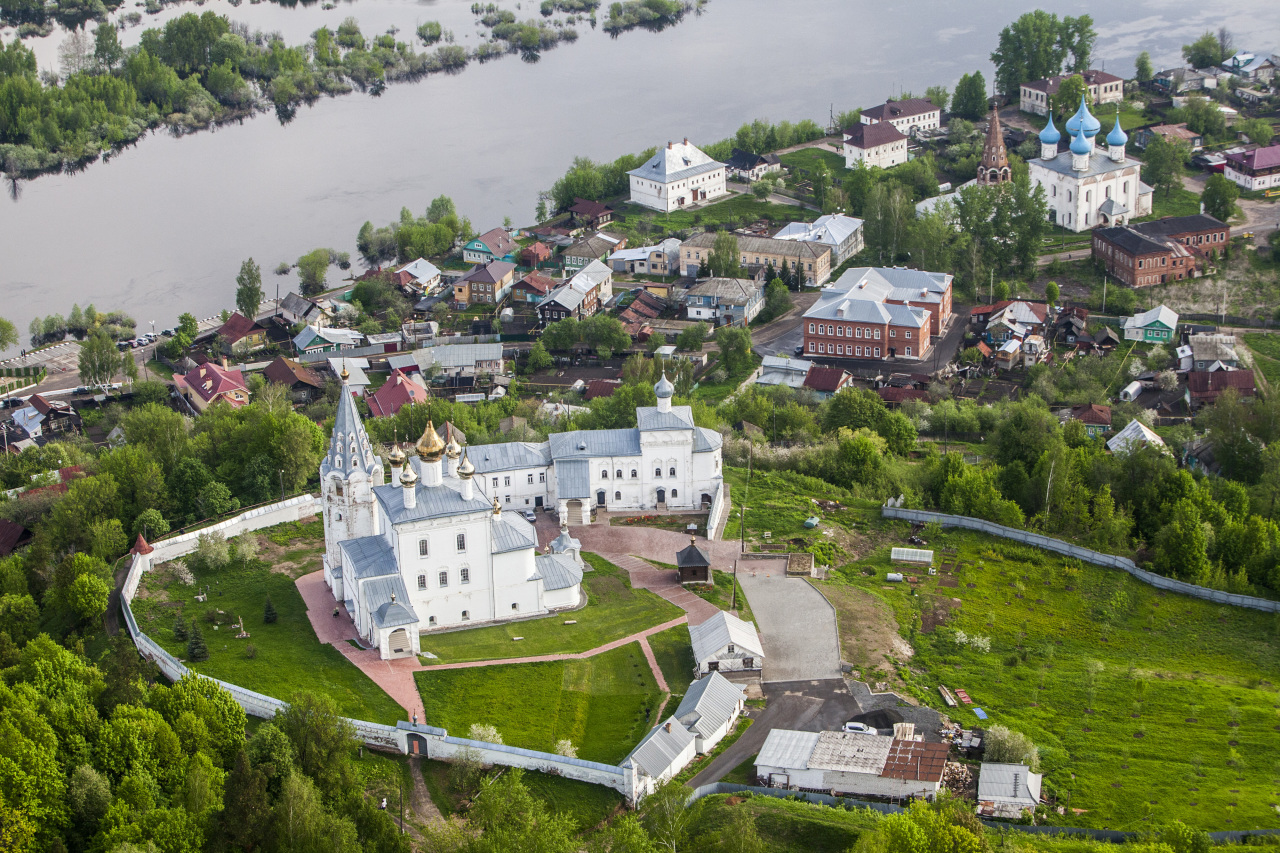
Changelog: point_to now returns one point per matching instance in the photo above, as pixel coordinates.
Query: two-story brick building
(814, 259)
(878, 313)
(1165, 250)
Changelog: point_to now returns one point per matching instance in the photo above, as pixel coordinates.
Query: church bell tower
(348, 474)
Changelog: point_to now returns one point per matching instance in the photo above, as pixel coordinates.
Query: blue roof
(1050, 134)
(432, 502)
(1117, 136)
(367, 557)
(591, 443)
(509, 456)
(1084, 120)
(649, 418)
(1080, 145)
(705, 440)
(558, 571)
(349, 447)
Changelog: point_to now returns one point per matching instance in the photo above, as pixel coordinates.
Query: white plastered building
(679, 175)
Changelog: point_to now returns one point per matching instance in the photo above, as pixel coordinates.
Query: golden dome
(344, 375)
(430, 446)
(408, 478)
(466, 469)
(396, 456)
(453, 450)
(497, 507)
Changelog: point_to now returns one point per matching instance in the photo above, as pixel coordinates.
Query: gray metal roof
(460, 355)
(722, 630)
(512, 533)
(692, 555)
(1010, 783)
(402, 361)
(558, 571)
(856, 751)
(386, 613)
(573, 479)
(706, 440)
(591, 443)
(509, 456)
(676, 162)
(432, 502)
(649, 418)
(659, 750)
(709, 703)
(790, 378)
(564, 542)
(786, 748)
(367, 557)
(565, 295)
(1099, 164)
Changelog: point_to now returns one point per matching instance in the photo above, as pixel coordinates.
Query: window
(515, 606)
(907, 334)
(859, 351)
(337, 484)
(531, 479)
(465, 576)
(840, 331)
(617, 496)
(604, 474)
(673, 494)
(877, 352)
(893, 333)
(506, 481)
(811, 328)
(422, 581)
(462, 542)
(431, 621)
(466, 616)
(673, 472)
(508, 498)
(657, 472)
(730, 649)
(839, 349)
(857, 333)
(908, 350)
(877, 334)
(422, 548)
(812, 347)
(495, 482)
(542, 477)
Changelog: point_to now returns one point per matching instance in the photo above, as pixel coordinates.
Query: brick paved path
(665, 583)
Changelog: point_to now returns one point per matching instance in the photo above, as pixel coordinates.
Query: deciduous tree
(312, 268)
(249, 289)
(1162, 167)
(725, 259)
(1204, 52)
(735, 347)
(1219, 197)
(99, 360)
(970, 101)
(1142, 71)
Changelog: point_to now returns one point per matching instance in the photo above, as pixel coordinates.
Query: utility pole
(1104, 294)
(734, 607)
(991, 288)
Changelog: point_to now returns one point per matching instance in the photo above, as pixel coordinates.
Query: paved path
(797, 625)
(665, 583)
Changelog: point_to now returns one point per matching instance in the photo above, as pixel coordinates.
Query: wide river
(162, 227)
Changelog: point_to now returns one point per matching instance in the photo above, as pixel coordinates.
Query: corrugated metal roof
(367, 557)
(789, 378)
(512, 533)
(432, 502)
(377, 594)
(649, 418)
(659, 750)
(573, 479)
(915, 761)
(709, 703)
(1009, 783)
(591, 443)
(459, 355)
(781, 362)
(788, 749)
(722, 630)
(558, 571)
(510, 456)
(850, 751)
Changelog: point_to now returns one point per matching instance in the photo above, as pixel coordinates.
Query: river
(163, 226)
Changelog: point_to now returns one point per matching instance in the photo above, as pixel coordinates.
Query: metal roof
(432, 502)
(649, 418)
(789, 378)
(692, 555)
(355, 368)
(915, 761)
(709, 703)
(377, 596)
(675, 162)
(1099, 164)
(1135, 435)
(660, 749)
(591, 443)
(1009, 783)
(787, 749)
(349, 447)
(573, 479)
(461, 355)
(781, 362)
(512, 533)
(421, 270)
(706, 440)
(832, 229)
(850, 751)
(1160, 314)
(564, 542)
(558, 571)
(509, 456)
(367, 557)
(721, 630)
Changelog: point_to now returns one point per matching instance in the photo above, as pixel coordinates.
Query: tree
(312, 268)
(323, 740)
(1142, 70)
(107, 51)
(180, 632)
(246, 545)
(249, 289)
(668, 815)
(970, 100)
(562, 334)
(1051, 292)
(1070, 91)
(1009, 747)
(440, 208)
(938, 95)
(725, 258)
(856, 188)
(735, 347)
(1219, 197)
(99, 360)
(820, 178)
(777, 299)
(539, 358)
(1259, 130)
(196, 649)
(692, 337)
(1204, 52)
(1037, 45)
(1162, 166)
(269, 615)
(8, 334)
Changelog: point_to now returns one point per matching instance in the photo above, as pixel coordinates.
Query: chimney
(686, 140)
(223, 361)
(668, 144)
(668, 728)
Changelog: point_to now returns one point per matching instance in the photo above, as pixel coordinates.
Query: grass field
(789, 826)
(614, 610)
(809, 158)
(598, 703)
(587, 804)
(1147, 707)
(1266, 353)
(674, 655)
(289, 657)
(716, 392)
(737, 209)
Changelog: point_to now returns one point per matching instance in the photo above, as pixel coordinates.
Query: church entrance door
(399, 643)
(662, 497)
(600, 497)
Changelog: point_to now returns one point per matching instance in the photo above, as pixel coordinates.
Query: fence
(1066, 549)
(437, 742)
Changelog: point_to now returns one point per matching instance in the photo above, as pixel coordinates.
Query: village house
(1006, 791)
(709, 709)
(725, 643)
(356, 381)
(326, 339)
(495, 245)
(1258, 169)
(295, 309)
(879, 144)
(590, 214)
(1176, 81)
(597, 247)
(1085, 187)
(843, 234)
(725, 301)
(1170, 133)
(13, 536)
(44, 416)
(780, 370)
(1037, 96)
(693, 565)
(813, 259)
(566, 301)
(662, 259)
(661, 754)
(846, 763)
(241, 334)
(210, 383)
(398, 391)
(595, 278)
(532, 289)
(1254, 67)
(1154, 326)
(1135, 436)
(881, 312)
(420, 274)
(1211, 352)
(752, 167)
(535, 254)
(461, 359)
(484, 285)
(826, 382)
(1071, 324)
(908, 116)
(1205, 388)
(304, 384)
(1096, 419)
(643, 308)
(677, 176)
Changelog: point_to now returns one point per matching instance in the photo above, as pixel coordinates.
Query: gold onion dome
(466, 469)
(344, 375)
(408, 478)
(453, 450)
(430, 446)
(396, 456)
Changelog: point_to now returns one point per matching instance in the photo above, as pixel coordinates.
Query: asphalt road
(798, 625)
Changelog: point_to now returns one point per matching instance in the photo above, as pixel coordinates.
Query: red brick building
(878, 313)
(1161, 251)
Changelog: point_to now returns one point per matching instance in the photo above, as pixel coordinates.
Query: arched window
(673, 472)
(604, 474)
(337, 487)
(466, 616)
(657, 472)
(618, 474)
(673, 493)
(617, 496)
(634, 474)
(431, 621)
(422, 581)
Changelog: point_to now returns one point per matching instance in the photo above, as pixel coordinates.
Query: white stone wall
(884, 156)
(678, 194)
(1075, 201)
(513, 488)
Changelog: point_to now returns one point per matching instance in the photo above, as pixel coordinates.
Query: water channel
(163, 226)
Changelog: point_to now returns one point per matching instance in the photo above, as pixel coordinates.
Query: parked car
(799, 349)
(529, 516)
(859, 728)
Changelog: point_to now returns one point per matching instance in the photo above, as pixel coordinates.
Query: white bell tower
(348, 474)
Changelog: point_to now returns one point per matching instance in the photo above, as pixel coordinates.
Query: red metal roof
(915, 761)
(211, 380)
(901, 395)
(873, 135)
(1207, 386)
(12, 536)
(399, 390)
(1258, 158)
(829, 379)
(237, 327)
(1092, 414)
(601, 388)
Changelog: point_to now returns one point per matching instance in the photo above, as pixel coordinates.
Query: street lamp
(281, 484)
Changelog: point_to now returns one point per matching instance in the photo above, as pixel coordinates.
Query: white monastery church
(434, 549)
(1084, 186)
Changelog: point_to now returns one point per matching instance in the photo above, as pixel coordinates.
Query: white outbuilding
(709, 709)
(661, 754)
(725, 643)
(1007, 790)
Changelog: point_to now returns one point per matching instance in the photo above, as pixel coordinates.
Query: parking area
(797, 624)
(59, 358)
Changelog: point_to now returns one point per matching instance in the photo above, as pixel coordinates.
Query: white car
(859, 728)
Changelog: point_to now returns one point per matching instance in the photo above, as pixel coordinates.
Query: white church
(1084, 186)
(435, 549)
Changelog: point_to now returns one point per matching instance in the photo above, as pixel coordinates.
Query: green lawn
(1147, 707)
(809, 158)
(674, 654)
(715, 392)
(701, 762)
(289, 657)
(788, 826)
(614, 610)
(1181, 202)
(586, 803)
(598, 703)
(743, 774)
(1266, 353)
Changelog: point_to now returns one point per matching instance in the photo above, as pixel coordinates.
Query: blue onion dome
(1050, 134)
(664, 388)
(1088, 123)
(1080, 145)
(1117, 136)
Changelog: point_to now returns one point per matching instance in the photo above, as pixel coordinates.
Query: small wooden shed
(694, 564)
